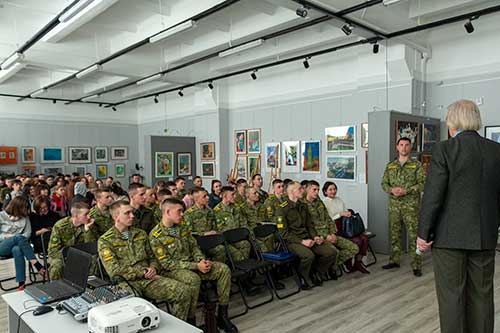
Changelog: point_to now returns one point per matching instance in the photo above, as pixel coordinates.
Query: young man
(6, 190)
(100, 212)
(109, 181)
(241, 186)
(152, 203)
(144, 218)
(257, 184)
(197, 181)
(181, 259)
(172, 187)
(274, 204)
(75, 229)
(16, 186)
(180, 184)
(136, 179)
(127, 257)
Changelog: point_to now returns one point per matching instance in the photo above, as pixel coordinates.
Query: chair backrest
(236, 235)
(264, 230)
(209, 242)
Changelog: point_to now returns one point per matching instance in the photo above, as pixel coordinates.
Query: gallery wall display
(253, 165)
(8, 155)
(208, 169)
(207, 150)
(80, 155)
(184, 164)
(364, 135)
(340, 139)
(291, 161)
(101, 154)
(241, 167)
(119, 153)
(492, 133)
(164, 164)
(52, 155)
(342, 167)
(253, 141)
(240, 141)
(28, 154)
(101, 171)
(430, 135)
(29, 170)
(80, 170)
(272, 155)
(53, 170)
(311, 153)
(119, 170)
(408, 129)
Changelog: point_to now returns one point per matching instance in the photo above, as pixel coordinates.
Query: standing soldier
(181, 259)
(404, 180)
(100, 212)
(127, 257)
(257, 184)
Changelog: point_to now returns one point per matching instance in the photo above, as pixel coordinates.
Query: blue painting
(310, 156)
(53, 154)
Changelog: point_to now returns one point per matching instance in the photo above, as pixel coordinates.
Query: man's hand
(150, 273)
(89, 224)
(398, 191)
(423, 245)
(7, 236)
(307, 242)
(211, 232)
(318, 240)
(204, 266)
(331, 238)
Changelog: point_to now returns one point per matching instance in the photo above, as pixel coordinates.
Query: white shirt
(335, 206)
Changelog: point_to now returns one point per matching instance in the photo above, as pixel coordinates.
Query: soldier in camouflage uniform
(5, 190)
(253, 212)
(241, 186)
(100, 212)
(257, 184)
(75, 229)
(180, 184)
(274, 204)
(144, 217)
(152, 204)
(127, 257)
(181, 259)
(404, 180)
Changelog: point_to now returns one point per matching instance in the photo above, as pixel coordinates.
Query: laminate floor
(383, 301)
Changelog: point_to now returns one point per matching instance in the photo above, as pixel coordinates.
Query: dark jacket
(461, 203)
(297, 224)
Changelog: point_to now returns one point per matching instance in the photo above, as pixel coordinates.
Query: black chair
(281, 257)
(371, 235)
(244, 269)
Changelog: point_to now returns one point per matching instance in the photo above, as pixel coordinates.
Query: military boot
(223, 320)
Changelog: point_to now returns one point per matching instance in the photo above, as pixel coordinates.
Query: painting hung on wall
(208, 169)
(81, 170)
(340, 138)
(119, 170)
(164, 164)
(272, 155)
(241, 167)
(207, 150)
(8, 155)
(53, 170)
(101, 154)
(425, 159)
(311, 152)
(119, 153)
(364, 135)
(183, 164)
(290, 159)
(253, 165)
(341, 167)
(492, 133)
(240, 142)
(408, 129)
(101, 171)
(253, 141)
(29, 170)
(28, 154)
(52, 155)
(80, 155)
(429, 136)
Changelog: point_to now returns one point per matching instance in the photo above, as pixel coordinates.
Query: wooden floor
(384, 301)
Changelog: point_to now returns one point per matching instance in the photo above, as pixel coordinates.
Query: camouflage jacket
(155, 209)
(175, 248)
(239, 199)
(145, 219)
(64, 233)
(126, 258)
(200, 220)
(252, 214)
(321, 220)
(262, 195)
(228, 217)
(273, 209)
(410, 176)
(103, 220)
(297, 223)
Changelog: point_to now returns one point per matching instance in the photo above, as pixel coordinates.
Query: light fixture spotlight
(100, 104)
(210, 85)
(114, 108)
(254, 75)
(469, 27)
(302, 12)
(181, 93)
(306, 63)
(54, 101)
(376, 48)
(347, 29)
(156, 99)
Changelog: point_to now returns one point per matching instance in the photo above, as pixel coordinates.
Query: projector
(124, 316)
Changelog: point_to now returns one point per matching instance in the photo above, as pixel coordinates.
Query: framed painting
(253, 165)
(241, 167)
(53, 170)
(341, 167)
(429, 136)
(52, 155)
(81, 170)
(425, 159)
(492, 133)
(28, 154)
(207, 150)
(240, 142)
(253, 141)
(120, 170)
(101, 171)
(208, 169)
(80, 155)
(101, 154)
(311, 152)
(8, 155)
(364, 135)
(272, 155)
(290, 151)
(408, 129)
(340, 139)
(119, 153)
(164, 164)
(183, 164)
(29, 170)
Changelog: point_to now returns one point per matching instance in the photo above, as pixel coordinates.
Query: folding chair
(371, 235)
(280, 257)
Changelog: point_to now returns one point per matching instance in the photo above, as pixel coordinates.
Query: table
(53, 322)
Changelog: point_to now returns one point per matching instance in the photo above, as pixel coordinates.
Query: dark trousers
(464, 287)
(323, 256)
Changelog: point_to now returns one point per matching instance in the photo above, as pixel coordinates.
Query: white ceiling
(125, 22)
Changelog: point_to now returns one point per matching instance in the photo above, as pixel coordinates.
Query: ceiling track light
(75, 10)
(210, 85)
(469, 27)
(38, 92)
(156, 99)
(100, 105)
(113, 108)
(347, 29)
(54, 101)
(306, 63)
(88, 71)
(88, 98)
(254, 74)
(173, 31)
(180, 93)
(241, 48)
(302, 12)
(149, 79)
(376, 47)
(16, 57)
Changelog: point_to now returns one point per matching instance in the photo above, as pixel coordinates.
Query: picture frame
(81, 170)
(28, 154)
(184, 164)
(207, 150)
(430, 136)
(101, 154)
(208, 169)
(425, 159)
(80, 155)
(120, 170)
(29, 170)
(340, 139)
(8, 155)
(492, 133)
(52, 155)
(240, 141)
(311, 156)
(253, 165)
(272, 155)
(119, 153)
(364, 135)
(101, 171)
(341, 167)
(53, 170)
(164, 164)
(241, 167)
(408, 129)
(291, 159)
(253, 141)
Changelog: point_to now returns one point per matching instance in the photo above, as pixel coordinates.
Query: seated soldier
(100, 212)
(127, 257)
(257, 184)
(241, 186)
(274, 204)
(172, 188)
(303, 240)
(144, 218)
(325, 226)
(151, 203)
(75, 229)
(181, 259)
(162, 195)
(180, 184)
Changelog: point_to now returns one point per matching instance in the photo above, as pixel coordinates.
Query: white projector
(124, 316)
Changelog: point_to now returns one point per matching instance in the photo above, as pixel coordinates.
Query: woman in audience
(42, 220)
(42, 189)
(337, 209)
(214, 198)
(99, 184)
(29, 193)
(59, 201)
(15, 230)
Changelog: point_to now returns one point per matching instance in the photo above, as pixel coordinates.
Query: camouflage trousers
(409, 216)
(347, 249)
(239, 251)
(176, 293)
(219, 272)
(266, 244)
(218, 253)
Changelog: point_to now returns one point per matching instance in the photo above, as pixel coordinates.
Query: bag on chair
(352, 226)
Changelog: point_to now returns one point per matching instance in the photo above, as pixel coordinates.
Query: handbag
(352, 226)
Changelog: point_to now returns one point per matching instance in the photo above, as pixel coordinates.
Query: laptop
(73, 283)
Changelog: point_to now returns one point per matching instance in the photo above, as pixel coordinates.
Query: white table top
(53, 322)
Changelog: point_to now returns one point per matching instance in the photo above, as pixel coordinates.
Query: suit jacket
(461, 203)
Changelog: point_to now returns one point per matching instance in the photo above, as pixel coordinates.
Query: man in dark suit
(459, 217)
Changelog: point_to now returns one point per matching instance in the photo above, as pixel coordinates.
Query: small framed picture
(80, 155)
(408, 129)
(52, 155)
(28, 154)
(81, 170)
(253, 141)
(340, 139)
(207, 150)
(119, 153)
(164, 164)
(341, 167)
(311, 153)
(492, 133)
(29, 170)
(101, 171)
(53, 170)
(253, 165)
(101, 154)
(364, 135)
(184, 164)
(119, 170)
(208, 169)
(241, 167)
(240, 141)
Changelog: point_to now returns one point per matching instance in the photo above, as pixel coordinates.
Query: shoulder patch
(392, 166)
(284, 204)
(217, 208)
(107, 234)
(157, 233)
(169, 240)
